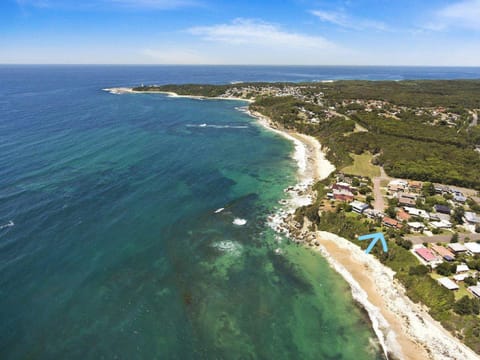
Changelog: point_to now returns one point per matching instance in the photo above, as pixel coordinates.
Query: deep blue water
(116, 251)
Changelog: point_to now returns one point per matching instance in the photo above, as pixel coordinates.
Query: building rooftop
(426, 254)
(449, 284)
(443, 252)
(473, 247)
(456, 247)
(471, 217)
(475, 290)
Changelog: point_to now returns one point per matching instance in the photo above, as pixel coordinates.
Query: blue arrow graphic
(375, 237)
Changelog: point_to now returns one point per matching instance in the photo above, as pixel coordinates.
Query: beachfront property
(447, 283)
(343, 195)
(425, 254)
(358, 206)
(475, 290)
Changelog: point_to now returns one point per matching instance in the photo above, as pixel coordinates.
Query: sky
(262, 32)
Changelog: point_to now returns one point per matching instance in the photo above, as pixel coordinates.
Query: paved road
(440, 238)
(379, 203)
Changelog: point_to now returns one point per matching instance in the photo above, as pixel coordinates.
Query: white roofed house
(449, 284)
(472, 247)
(457, 248)
(471, 218)
(462, 268)
(416, 212)
(475, 290)
(359, 207)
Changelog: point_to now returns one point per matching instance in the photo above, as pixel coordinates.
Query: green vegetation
(362, 166)
(414, 129)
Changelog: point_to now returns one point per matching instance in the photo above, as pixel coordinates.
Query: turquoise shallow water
(116, 250)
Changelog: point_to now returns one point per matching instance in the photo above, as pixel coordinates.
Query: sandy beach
(404, 329)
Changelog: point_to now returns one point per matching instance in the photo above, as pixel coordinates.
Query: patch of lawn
(362, 166)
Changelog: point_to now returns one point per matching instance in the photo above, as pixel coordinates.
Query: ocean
(112, 244)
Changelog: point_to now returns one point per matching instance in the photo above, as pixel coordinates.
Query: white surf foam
(239, 221)
(9, 224)
(229, 247)
(217, 126)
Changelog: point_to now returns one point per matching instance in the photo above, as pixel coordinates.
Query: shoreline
(127, 90)
(404, 329)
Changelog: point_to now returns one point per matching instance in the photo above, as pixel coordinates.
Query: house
(416, 212)
(402, 215)
(415, 185)
(342, 186)
(471, 218)
(460, 277)
(342, 195)
(472, 247)
(397, 185)
(462, 268)
(442, 209)
(449, 284)
(425, 253)
(358, 207)
(457, 248)
(443, 252)
(406, 200)
(389, 222)
(442, 224)
(373, 214)
(475, 290)
(416, 226)
(441, 189)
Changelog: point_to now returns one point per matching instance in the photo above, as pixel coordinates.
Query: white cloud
(256, 32)
(346, 21)
(462, 14)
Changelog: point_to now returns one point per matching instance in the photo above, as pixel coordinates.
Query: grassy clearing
(362, 166)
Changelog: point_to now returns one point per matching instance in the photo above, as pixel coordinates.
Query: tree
(463, 306)
(454, 238)
(470, 281)
(457, 215)
(445, 269)
(418, 270)
(428, 189)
